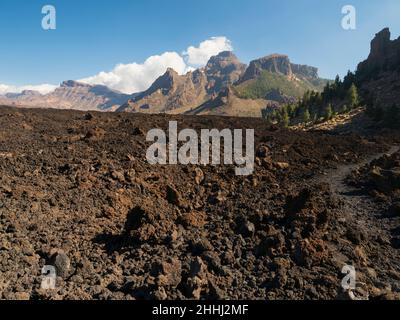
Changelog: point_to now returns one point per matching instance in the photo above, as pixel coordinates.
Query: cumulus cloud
(199, 56)
(135, 77)
(42, 88)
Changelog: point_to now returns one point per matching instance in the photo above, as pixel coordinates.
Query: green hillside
(268, 81)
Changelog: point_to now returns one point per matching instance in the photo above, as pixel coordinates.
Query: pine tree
(285, 119)
(328, 112)
(292, 110)
(352, 97)
(337, 83)
(327, 92)
(306, 116)
(314, 117)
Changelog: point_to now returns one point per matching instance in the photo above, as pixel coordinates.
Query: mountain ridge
(223, 82)
(70, 94)
(176, 93)
(268, 82)
(273, 78)
(378, 76)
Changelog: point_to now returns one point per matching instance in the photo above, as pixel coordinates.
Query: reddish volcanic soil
(76, 192)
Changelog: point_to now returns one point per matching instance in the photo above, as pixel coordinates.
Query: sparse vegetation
(328, 113)
(338, 97)
(268, 81)
(306, 116)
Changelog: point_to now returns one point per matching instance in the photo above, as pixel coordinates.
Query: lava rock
(61, 262)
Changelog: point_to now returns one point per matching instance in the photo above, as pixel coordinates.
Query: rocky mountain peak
(73, 84)
(279, 64)
(69, 95)
(171, 72)
(384, 55)
(226, 54)
(378, 76)
(223, 70)
(224, 57)
(275, 63)
(380, 44)
(164, 82)
(31, 93)
(305, 71)
(24, 94)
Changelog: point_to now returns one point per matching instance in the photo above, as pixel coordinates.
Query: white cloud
(136, 77)
(199, 56)
(4, 88)
(42, 88)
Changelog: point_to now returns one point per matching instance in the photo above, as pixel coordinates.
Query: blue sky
(96, 35)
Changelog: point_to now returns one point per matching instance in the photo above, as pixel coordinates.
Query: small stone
(61, 262)
(88, 116)
(199, 178)
(130, 157)
(160, 294)
(168, 273)
(282, 165)
(198, 278)
(361, 255)
(263, 152)
(117, 175)
(220, 197)
(95, 134)
(173, 196)
(248, 229)
(197, 247)
(372, 273)
(137, 131)
(22, 296)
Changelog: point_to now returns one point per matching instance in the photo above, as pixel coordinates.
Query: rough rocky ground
(76, 192)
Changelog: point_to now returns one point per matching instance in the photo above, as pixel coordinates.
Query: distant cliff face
(25, 93)
(84, 96)
(227, 103)
(223, 70)
(224, 86)
(179, 93)
(384, 56)
(70, 95)
(275, 78)
(379, 75)
(279, 64)
(170, 91)
(275, 63)
(305, 71)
